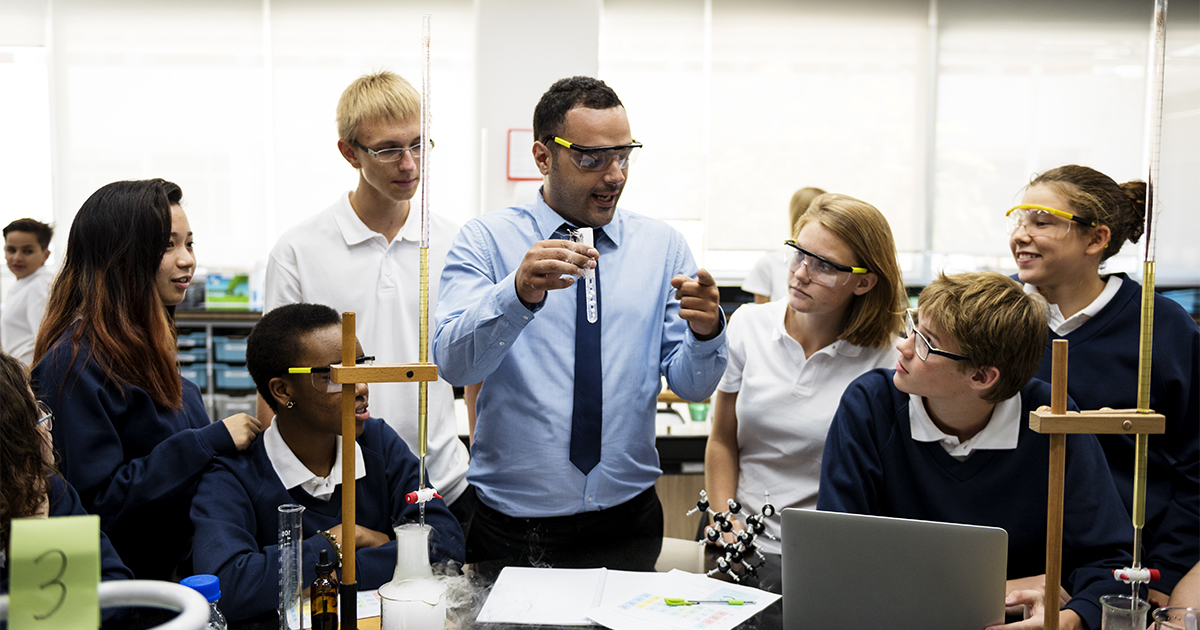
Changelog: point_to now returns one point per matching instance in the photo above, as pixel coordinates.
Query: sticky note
(54, 567)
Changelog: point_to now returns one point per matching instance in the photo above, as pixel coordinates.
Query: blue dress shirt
(520, 456)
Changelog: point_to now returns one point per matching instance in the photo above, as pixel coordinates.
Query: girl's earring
(291, 403)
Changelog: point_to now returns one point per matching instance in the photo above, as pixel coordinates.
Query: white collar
(838, 347)
(1001, 432)
(293, 473)
(1063, 325)
(354, 231)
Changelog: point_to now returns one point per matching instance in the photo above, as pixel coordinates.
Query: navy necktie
(587, 412)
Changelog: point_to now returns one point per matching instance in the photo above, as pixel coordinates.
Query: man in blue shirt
(511, 313)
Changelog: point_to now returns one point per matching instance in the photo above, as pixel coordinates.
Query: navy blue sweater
(872, 465)
(237, 521)
(134, 463)
(1103, 373)
(65, 502)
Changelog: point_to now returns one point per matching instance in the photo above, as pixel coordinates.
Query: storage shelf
(201, 346)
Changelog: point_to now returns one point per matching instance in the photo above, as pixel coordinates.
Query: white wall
(523, 47)
(739, 102)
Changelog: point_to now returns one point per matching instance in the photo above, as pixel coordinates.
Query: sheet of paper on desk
(646, 610)
(618, 599)
(543, 596)
(368, 606)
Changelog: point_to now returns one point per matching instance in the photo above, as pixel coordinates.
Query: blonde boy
(362, 254)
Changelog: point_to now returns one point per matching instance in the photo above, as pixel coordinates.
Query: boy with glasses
(362, 254)
(945, 437)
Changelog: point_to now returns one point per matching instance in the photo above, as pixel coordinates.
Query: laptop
(858, 571)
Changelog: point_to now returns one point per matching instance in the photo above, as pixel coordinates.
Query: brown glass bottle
(325, 595)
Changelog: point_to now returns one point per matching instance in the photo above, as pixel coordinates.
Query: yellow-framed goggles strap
(1055, 211)
(325, 368)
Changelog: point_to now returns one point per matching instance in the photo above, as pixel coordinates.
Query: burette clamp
(1136, 576)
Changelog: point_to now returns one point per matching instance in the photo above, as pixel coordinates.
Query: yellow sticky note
(54, 568)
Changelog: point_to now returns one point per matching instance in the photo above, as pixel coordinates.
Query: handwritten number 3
(55, 581)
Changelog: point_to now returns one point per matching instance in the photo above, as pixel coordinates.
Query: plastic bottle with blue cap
(210, 587)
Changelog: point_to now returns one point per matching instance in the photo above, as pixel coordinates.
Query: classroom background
(935, 111)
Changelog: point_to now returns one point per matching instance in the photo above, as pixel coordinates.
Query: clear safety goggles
(320, 375)
(594, 159)
(820, 270)
(1043, 220)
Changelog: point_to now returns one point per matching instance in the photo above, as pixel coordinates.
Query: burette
(1152, 140)
(423, 326)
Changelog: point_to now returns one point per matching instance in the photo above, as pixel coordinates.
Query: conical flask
(414, 599)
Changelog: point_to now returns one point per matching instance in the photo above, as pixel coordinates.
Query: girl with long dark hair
(134, 435)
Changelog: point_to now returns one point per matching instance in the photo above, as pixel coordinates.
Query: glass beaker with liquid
(414, 599)
(1123, 612)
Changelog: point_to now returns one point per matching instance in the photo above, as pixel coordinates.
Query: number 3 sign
(54, 567)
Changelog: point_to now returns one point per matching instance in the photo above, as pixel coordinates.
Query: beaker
(1123, 612)
(291, 571)
(1176, 618)
(414, 599)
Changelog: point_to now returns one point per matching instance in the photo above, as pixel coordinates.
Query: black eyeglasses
(393, 155)
(594, 159)
(921, 344)
(320, 375)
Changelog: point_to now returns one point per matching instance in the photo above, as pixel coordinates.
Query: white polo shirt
(334, 259)
(1064, 325)
(24, 307)
(1001, 433)
(292, 472)
(785, 405)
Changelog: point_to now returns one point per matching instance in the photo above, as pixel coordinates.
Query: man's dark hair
(42, 232)
(274, 342)
(550, 115)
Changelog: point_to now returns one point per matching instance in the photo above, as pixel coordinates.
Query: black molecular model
(742, 551)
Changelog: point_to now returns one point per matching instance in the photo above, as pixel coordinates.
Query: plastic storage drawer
(229, 349)
(232, 377)
(226, 406)
(193, 355)
(196, 373)
(192, 339)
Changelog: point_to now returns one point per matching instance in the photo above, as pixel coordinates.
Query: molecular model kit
(744, 550)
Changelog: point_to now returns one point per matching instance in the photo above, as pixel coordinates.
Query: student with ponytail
(1070, 221)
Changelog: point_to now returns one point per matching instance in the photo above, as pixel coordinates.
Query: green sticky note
(54, 568)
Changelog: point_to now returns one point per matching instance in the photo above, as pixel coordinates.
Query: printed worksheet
(649, 609)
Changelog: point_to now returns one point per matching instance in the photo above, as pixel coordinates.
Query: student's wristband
(337, 546)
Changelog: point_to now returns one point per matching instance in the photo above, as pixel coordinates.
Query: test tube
(291, 571)
(586, 236)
